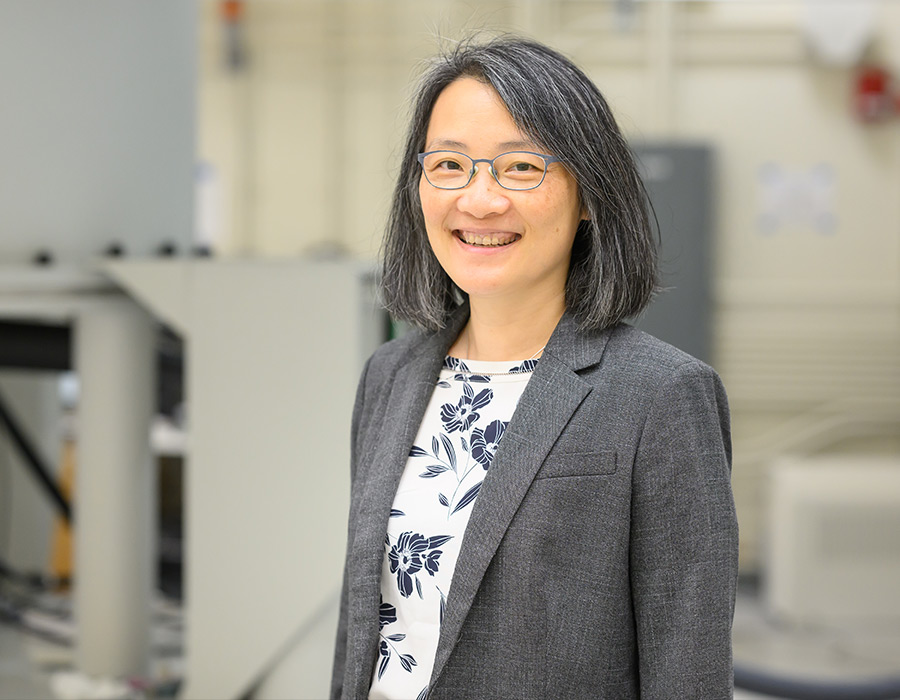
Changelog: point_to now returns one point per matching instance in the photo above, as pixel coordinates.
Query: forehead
(470, 114)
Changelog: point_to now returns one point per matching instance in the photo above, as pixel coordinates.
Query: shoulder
(383, 365)
(638, 370)
(671, 384)
(626, 341)
(395, 353)
(378, 375)
(676, 403)
(632, 351)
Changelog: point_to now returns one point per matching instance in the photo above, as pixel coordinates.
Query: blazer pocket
(578, 464)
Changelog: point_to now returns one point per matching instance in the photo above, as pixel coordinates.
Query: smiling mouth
(487, 240)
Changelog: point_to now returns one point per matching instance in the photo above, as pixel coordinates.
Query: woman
(566, 473)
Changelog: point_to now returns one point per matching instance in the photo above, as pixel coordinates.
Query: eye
(448, 164)
(523, 167)
(520, 167)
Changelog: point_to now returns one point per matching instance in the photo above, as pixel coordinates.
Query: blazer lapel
(412, 387)
(553, 394)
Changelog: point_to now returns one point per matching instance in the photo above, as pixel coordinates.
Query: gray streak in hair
(613, 273)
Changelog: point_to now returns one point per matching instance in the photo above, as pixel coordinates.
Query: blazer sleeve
(340, 646)
(684, 540)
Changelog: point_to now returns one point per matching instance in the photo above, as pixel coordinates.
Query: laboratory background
(192, 196)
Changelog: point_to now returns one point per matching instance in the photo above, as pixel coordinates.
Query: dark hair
(612, 273)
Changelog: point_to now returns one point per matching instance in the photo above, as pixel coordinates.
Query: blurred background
(192, 197)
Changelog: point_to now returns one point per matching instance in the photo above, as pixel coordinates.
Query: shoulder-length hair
(612, 273)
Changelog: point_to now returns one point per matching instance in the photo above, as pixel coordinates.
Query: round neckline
(489, 364)
(491, 370)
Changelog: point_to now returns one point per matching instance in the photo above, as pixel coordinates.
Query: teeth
(491, 240)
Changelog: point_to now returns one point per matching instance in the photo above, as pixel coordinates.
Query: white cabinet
(274, 352)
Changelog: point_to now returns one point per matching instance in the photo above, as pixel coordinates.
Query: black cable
(34, 461)
(780, 686)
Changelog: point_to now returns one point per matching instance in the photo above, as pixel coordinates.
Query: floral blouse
(460, 431)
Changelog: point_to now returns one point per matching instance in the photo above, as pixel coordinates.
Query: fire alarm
(876, 96)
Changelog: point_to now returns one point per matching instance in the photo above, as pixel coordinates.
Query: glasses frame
(490, 161)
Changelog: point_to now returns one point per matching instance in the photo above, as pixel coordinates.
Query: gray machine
(679, 182)
(96, 128)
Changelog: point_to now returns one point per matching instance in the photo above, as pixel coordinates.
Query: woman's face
(493, 242)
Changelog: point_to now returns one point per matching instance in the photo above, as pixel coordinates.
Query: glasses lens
(519, 171)
(447, 169)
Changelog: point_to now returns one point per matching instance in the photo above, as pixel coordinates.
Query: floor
(33, 668)
(838, 655)
(21, 676)
(40, 664)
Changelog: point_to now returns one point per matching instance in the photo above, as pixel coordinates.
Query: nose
(483, 196)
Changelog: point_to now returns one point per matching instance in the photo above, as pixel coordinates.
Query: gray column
(115, 488)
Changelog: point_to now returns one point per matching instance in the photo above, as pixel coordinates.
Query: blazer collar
(568, 344)
(433, 349)
(574, 348)
(552, 395)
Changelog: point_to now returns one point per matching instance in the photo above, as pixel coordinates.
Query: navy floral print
(387, 648)
(410, 555)
(456, 445)
(463, 414)
(485, 442)
(387, 613)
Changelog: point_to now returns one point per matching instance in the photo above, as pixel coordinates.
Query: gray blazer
(600, 558)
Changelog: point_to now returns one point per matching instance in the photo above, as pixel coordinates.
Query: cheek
(427, 199)
(560, 212)
(435, 208)
(572, 212)
(430, 216)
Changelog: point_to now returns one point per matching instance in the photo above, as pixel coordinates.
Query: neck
(498, 332)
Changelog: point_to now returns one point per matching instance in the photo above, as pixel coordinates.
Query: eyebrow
(460, 146)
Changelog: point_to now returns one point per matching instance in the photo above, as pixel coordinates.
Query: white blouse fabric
(462, 426)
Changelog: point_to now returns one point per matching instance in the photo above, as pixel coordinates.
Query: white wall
(807, 332)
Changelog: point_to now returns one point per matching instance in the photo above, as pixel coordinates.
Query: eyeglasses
(517, 170)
